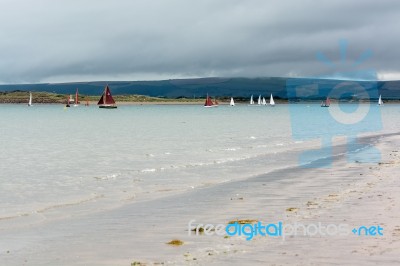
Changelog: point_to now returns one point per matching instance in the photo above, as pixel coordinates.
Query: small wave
(164, 190)
(13, 216)
(252, 137)
(148, 170)
(51, 207)
(107, 177)
(262, 146)
(193, 165)
(69, 204)
(227, 160)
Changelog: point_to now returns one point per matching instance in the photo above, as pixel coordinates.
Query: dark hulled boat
(106, 100)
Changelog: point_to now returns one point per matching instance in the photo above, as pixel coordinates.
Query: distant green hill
(196, 88)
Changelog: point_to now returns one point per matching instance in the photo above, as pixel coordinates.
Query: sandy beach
(137, 232)
(371, 197)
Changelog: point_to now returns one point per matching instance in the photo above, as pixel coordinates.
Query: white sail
(232, 103)
(30, 99)
(251, 100)
(380, 100)
(259, 100)
(264, 102)
(271, 100)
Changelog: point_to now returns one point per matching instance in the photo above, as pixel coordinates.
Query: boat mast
(105, 95)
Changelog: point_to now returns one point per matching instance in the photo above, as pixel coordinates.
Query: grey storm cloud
(46, 40)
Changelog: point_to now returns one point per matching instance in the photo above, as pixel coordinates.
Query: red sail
(76, 96)
(208, 101)
(106, 98)
(101, 99)
(109, 98)
(328, 101)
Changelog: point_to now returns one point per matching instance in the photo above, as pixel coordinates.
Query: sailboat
(259, 100)
(251, 100)
(30, 99)
(68, 100)
(380, 102)
(232, 103)
(326, 103)
(106, 100)
(264, 102)
(209, 102)
(271, 101)
(76, 98)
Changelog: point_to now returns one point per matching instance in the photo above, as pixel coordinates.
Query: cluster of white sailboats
(260, 102)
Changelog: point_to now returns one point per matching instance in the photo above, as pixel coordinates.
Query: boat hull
(210, 106)
(108, 106)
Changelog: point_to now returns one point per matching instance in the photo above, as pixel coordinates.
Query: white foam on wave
(227, 160)
(108, 177)
(148, 170)
(231, 149)
(262, 146)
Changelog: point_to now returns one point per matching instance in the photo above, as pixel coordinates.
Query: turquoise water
(53, 158)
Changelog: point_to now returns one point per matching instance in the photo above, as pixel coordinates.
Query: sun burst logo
(350, 91)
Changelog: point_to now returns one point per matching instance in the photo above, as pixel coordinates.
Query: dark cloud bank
(65, 41)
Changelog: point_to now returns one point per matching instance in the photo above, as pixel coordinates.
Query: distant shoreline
(22, 97)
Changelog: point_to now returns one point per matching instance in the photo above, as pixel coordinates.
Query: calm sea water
(53, 158)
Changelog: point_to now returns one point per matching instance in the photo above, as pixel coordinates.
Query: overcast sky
(71, 40)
